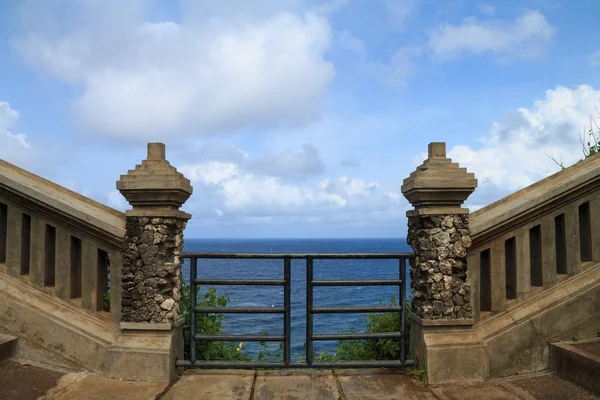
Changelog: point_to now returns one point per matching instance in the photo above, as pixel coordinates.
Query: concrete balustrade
(543, 241)
(60, 260)
(556, 227)
(57, 241)
(532, 269)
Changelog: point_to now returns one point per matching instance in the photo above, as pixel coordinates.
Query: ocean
(266, 296)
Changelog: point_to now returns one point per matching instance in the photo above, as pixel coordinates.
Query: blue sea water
(265, 296)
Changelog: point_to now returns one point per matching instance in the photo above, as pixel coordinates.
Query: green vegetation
(590, 141)
(419, 374)
(209, 324)
(212, 324)
(380, 349)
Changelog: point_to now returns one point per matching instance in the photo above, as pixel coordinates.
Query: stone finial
(156, 151)
(438, 183)
(155, 188)
(437, 150)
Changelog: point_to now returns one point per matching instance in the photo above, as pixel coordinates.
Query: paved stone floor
(30, 382)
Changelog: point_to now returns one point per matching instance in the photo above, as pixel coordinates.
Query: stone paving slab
(296, 385)
(91, 387)
(212, 385)
(381, 385)
(25, 381)
(474, 391)
(547, 386)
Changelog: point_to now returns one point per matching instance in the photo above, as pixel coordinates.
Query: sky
(296, 118)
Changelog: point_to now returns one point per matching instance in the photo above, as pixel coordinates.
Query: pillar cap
(155, 184)
(438, 182)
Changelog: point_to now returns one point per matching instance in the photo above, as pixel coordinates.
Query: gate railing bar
(297, 256)
(357, 336)
(372, 282)
(320, 365)
(355, 310)
(243, 282)
(240, 310)
(240, 338)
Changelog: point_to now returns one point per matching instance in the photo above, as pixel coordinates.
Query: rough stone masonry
(439, 274)
(152, 269)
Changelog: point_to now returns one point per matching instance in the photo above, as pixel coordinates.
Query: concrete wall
(55, 247)
(53, 238)
(557, 293)
(517, 339)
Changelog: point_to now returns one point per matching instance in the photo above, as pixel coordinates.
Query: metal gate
(311, 310)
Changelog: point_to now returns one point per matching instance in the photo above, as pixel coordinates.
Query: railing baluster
(38, 251)
(573, 243)
(287, 306)
(89, 276)
(309, 311)
(116, 271)
(193, 329)
(13, 240)
(3, 231)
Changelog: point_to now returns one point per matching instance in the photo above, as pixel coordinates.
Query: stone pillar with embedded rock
(151, 274)
(442, 339)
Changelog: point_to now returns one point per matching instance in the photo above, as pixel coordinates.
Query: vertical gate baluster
(402, 289)
(193, 274)
(309, 315)
(287, 306)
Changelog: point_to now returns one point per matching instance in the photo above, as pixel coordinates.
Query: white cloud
(515, 153)
(399, 10)
(347, 41)
(486, 9)
(290, 164)
(14, 147)
(527, 37)
(595, 58)
(286, 164)
(225, 191)
(143, 80)
(398, 68)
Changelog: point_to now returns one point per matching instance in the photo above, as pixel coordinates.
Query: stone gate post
(442, 337)
(151, 274)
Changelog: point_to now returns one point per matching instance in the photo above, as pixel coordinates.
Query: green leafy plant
(370, 349)
(106, 302)
(590, 141)
(345, 350)
(269, 355)
(209, 324)
(419, 374)
(106, 297)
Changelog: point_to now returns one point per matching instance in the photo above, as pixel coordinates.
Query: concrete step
(8, 345)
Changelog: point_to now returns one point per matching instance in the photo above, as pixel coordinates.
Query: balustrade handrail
(64, 243)
(534, 238)
(57, 201)
(536, 200)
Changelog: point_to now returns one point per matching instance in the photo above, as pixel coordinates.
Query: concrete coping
(437, 211)
(157, 213)
(536, 200)
(151, 326)
(440, 322)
